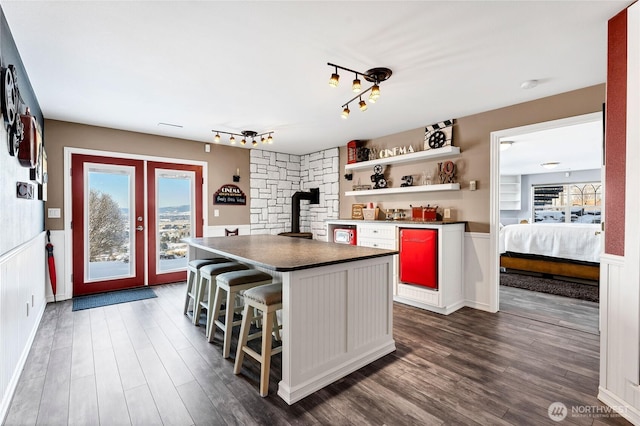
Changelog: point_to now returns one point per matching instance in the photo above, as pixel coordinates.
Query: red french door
(128, 217)
(174, 212)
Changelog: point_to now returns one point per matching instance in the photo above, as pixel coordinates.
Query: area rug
(111, 298)
(551, 286)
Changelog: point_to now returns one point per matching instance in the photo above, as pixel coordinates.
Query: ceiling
(262, 65)
(575, 147)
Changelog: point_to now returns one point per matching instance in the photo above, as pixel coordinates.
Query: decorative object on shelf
(374, 75)
(398, 150)
(438, 135)
(363, 153)
(356, 211)
(352, 151)
(230, 194)
(348, 176)
(447, 172)
(370, 213)
(245, 134)
(373, 153)
(378, 178)
(426, 178)
(427, 213)
(407, 181)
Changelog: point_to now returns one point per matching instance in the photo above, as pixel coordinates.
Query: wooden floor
(145, 363)
(548, 308)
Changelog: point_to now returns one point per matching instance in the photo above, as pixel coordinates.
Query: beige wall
(472, 135)
(222, 163)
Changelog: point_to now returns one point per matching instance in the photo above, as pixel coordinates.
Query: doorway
(495, 209)
(128, 218)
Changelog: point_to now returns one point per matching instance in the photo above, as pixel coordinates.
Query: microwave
(345, 236)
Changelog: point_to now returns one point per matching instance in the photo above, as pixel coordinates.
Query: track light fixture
(374, 75)
(246, 134)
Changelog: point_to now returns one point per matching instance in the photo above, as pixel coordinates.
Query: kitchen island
(337, 303)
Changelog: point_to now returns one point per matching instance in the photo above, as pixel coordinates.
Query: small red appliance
(345, 236)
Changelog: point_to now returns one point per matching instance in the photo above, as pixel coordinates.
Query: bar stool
(268, 300)
(193, 278)
(232, 283)
(208, 274)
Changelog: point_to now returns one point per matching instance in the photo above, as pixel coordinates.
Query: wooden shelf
(444, 152)
(406, 189)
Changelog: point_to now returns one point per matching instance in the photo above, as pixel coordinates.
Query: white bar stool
(268, 300)
(208, 274)
(193, 279)
(232, 283)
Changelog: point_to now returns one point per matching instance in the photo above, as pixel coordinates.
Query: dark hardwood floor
(145, 363)
(549, 308)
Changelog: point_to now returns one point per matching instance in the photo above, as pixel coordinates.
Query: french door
(128, 217)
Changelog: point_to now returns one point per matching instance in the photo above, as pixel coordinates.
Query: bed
(564, 249)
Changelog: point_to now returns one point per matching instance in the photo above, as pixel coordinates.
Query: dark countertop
(284, 254)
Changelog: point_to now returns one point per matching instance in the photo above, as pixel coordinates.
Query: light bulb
(375, 92)
(243, 141)
(363, 105)
(345, 112)
(232, 140)
(333, 81)
(253, 142)
(269, 140)
(263, 140)
(356, 86)
(216, 138)
(372, 99)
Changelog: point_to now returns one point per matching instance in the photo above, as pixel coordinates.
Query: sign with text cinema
(230, 194)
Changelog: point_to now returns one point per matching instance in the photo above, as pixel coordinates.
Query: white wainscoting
(22, 303)
(618, 306)
(477, 264)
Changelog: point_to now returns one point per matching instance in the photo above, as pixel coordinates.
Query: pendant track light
(374, 75)
(246, 134)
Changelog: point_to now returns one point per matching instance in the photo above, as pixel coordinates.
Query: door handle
(139, 228)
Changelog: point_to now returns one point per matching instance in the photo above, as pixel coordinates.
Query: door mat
(112, 298)
(551, 286)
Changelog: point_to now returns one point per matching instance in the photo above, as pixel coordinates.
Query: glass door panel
(174, 205)
(109, 247)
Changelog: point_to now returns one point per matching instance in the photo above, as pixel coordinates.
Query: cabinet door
(419, 257)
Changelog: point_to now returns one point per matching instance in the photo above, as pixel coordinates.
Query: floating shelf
(444, 152)
(406, 189)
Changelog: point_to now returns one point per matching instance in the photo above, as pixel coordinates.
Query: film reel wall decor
(438, 135)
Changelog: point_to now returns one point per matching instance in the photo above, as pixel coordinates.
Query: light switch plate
(53, 213)
(447, 213)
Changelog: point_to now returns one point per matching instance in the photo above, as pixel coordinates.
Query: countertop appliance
(419, 257)
(345, 236)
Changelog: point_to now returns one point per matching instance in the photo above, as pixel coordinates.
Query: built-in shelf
(406, 189)
(444, 152)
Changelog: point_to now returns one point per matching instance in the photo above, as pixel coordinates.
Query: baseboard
(292, 395)
(480, 306)
(626, 411)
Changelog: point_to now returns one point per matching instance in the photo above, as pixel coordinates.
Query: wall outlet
(216, 212)
(447, 213)
(473, 185)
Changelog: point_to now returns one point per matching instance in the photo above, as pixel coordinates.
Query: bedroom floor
(551, 309)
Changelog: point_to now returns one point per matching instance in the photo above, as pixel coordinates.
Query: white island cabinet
(449, 296)
(337, 310)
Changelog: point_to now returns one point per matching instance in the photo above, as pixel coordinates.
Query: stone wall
(275, 177)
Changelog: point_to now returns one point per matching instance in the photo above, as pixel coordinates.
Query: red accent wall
(615, 134)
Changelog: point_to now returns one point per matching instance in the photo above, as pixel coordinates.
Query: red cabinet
(419, 257)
